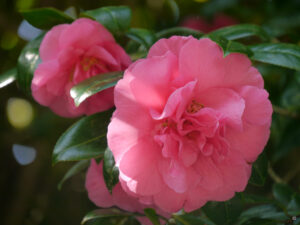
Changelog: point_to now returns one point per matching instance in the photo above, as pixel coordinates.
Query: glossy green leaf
(75, 169)
(8, 77)
(143, 36)
(115, 18)
(259, 170)
(103, 213)
(182, 31)
(230, 46)
(110, 171)
(93, 85)
(46, 18)
(85, 139)
(279, 54)
(187, 219)
(282, 193)
(241, 31)
(27, 63)
(153, 217)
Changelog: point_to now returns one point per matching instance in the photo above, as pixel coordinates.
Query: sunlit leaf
(8, 77)
(93, 85)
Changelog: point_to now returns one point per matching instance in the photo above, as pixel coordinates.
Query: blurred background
(28, 182)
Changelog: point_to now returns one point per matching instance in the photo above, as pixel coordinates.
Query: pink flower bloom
(99, 194)
(71, 53)
(199, 23)
(188, 124)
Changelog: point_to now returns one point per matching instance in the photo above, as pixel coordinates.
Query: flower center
(194, 107)
(88, 62)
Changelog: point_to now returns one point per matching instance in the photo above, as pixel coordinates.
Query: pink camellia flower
(99, 194)
(199, 23)
(188, 124)
(71, 53)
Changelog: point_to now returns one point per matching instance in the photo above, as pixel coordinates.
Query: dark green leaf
(173, 7)
(253, 199)
(84, 140)
(264, 212)
(103, 213)
(131, 221)
(75, 169)
(191, 220)
(110, 171)
(27, 63)
(291, 98)
(230, 46)
(46, 18)
(225, 213)
(259, 170)
(280, 54)
(143, 36)
(294, 205)
(93, 85)
(8, 77)
(151, 214)
(115, 18)
(182, 31)
(282, 193)
(241, 31)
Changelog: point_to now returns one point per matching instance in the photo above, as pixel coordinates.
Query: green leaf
(8, 77)
(225, 213)
(182, 31)
(110, 171)
(230, 46)
(279, 54)
(263, 212)
(259, 170)
(93, 85)
(115, 18)
(241, 31)
(293, 207)
(282, 193)
(153, 217)
(143, 36)
(103, 213)
(187, 219)
(85, 139)
(254, 199)
(27, 63)
(75, 169)
(46, 18)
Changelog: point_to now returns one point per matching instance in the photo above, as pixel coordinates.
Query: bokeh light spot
(19, 112)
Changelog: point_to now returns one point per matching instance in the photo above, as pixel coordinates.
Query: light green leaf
(279, 54)
(110, 171)
(115, 18)
(75, 169)
(85, 139)
(241, 31)
(46, 18)
(93, 85)
(143, 36)
(8, 77)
